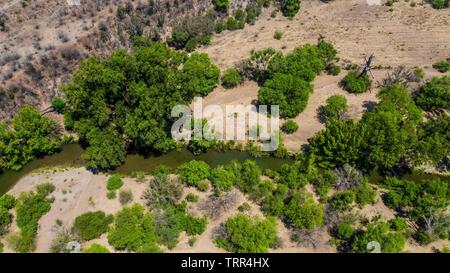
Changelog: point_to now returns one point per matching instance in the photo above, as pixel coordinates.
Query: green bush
(302, 212)
(222, 179)
(248, 175)
(278, 35)
(343, 201)
(30, 207)
(193, 172)
(192, 198)
(435, 94)
(45, 188)
(221, 5)
(354, 82)
(58, 104)
(5, 220)
(365, 195)
(245, 234)
(7, 201)
(111, 195)
(442, 66)
(114, 183)
(440, 4)
(334, 69)
(27, 136)
(336, 106)
(289, 127)
(162, 191)
(232, 23)
(231, 78)
(133, 231)
(290, 8)
(96, 248)
(92, 225)
(289, 92)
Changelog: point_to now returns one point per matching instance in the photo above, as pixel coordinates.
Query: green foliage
(278, 35)
(114, 183)
(30, 208)
(92, 225)
(96, 248)
(111, 195)
(162, 191)
(333, 69)
(231, 78)
(390, 241)
(133, 230)
(336, 106)
(435, 94)
(45, 188)
(248, 175)
(221, 5)
(190, 197)
(290, 8)
(434, 140)
(7, 201)
(29, 135)
(343, 201)
(442, 66)
(291, 176)
(125, 101)
(289, 92)
(232, 24)
(355, 82)
(5, 220)
(222, 179)
(58, 104)
(341, 143)
(324, 183)
(440, 4)
(193, 172)
(365, 194)
(289, 127)
(245, 234)
(302, 212)
(189, 32)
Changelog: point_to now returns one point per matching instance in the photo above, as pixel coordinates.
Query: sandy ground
(407, 36)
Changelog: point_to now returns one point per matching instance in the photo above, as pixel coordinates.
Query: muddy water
(71, 155)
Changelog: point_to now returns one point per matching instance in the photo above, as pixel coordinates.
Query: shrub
(111, 195)
(222, 179)
(192, 198)
(435, 94)
(195, 225)
(356, 83)
(7, 201)
(193, 172)
(58, 104)
(245, 234)
(45, 188)
(365, 195)
(390, 241)
(96, 248)
(289, 127)
(220, 26)
(231, 78)
(232, 23)
(30, 208)
(114, 183)
(334, 69)
(343, 201)
(302, 212)
(248, 175)
(221, 5)
(133, 231)
(442, 66)
(162, 191)
(60, 242)
(5, 220)
(291, 93)
(278, 35)
(92, 225)
(290, 7)
(336, 106)
(125, 196)
(440, 4)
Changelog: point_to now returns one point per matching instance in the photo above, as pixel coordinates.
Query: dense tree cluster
(286, 78)
(124, 102)
(383, 138)
(29, 135)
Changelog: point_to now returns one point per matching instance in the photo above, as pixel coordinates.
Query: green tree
(231, 78)
(302, 212)
(92, 225)
(222, 179)
(355, 82)
(290, 8)
(221, 5)
(336, 106)
(245, 234)
(194, 172)
(289, 127)
(435, 94)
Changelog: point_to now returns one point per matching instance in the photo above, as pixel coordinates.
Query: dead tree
(366, 67)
